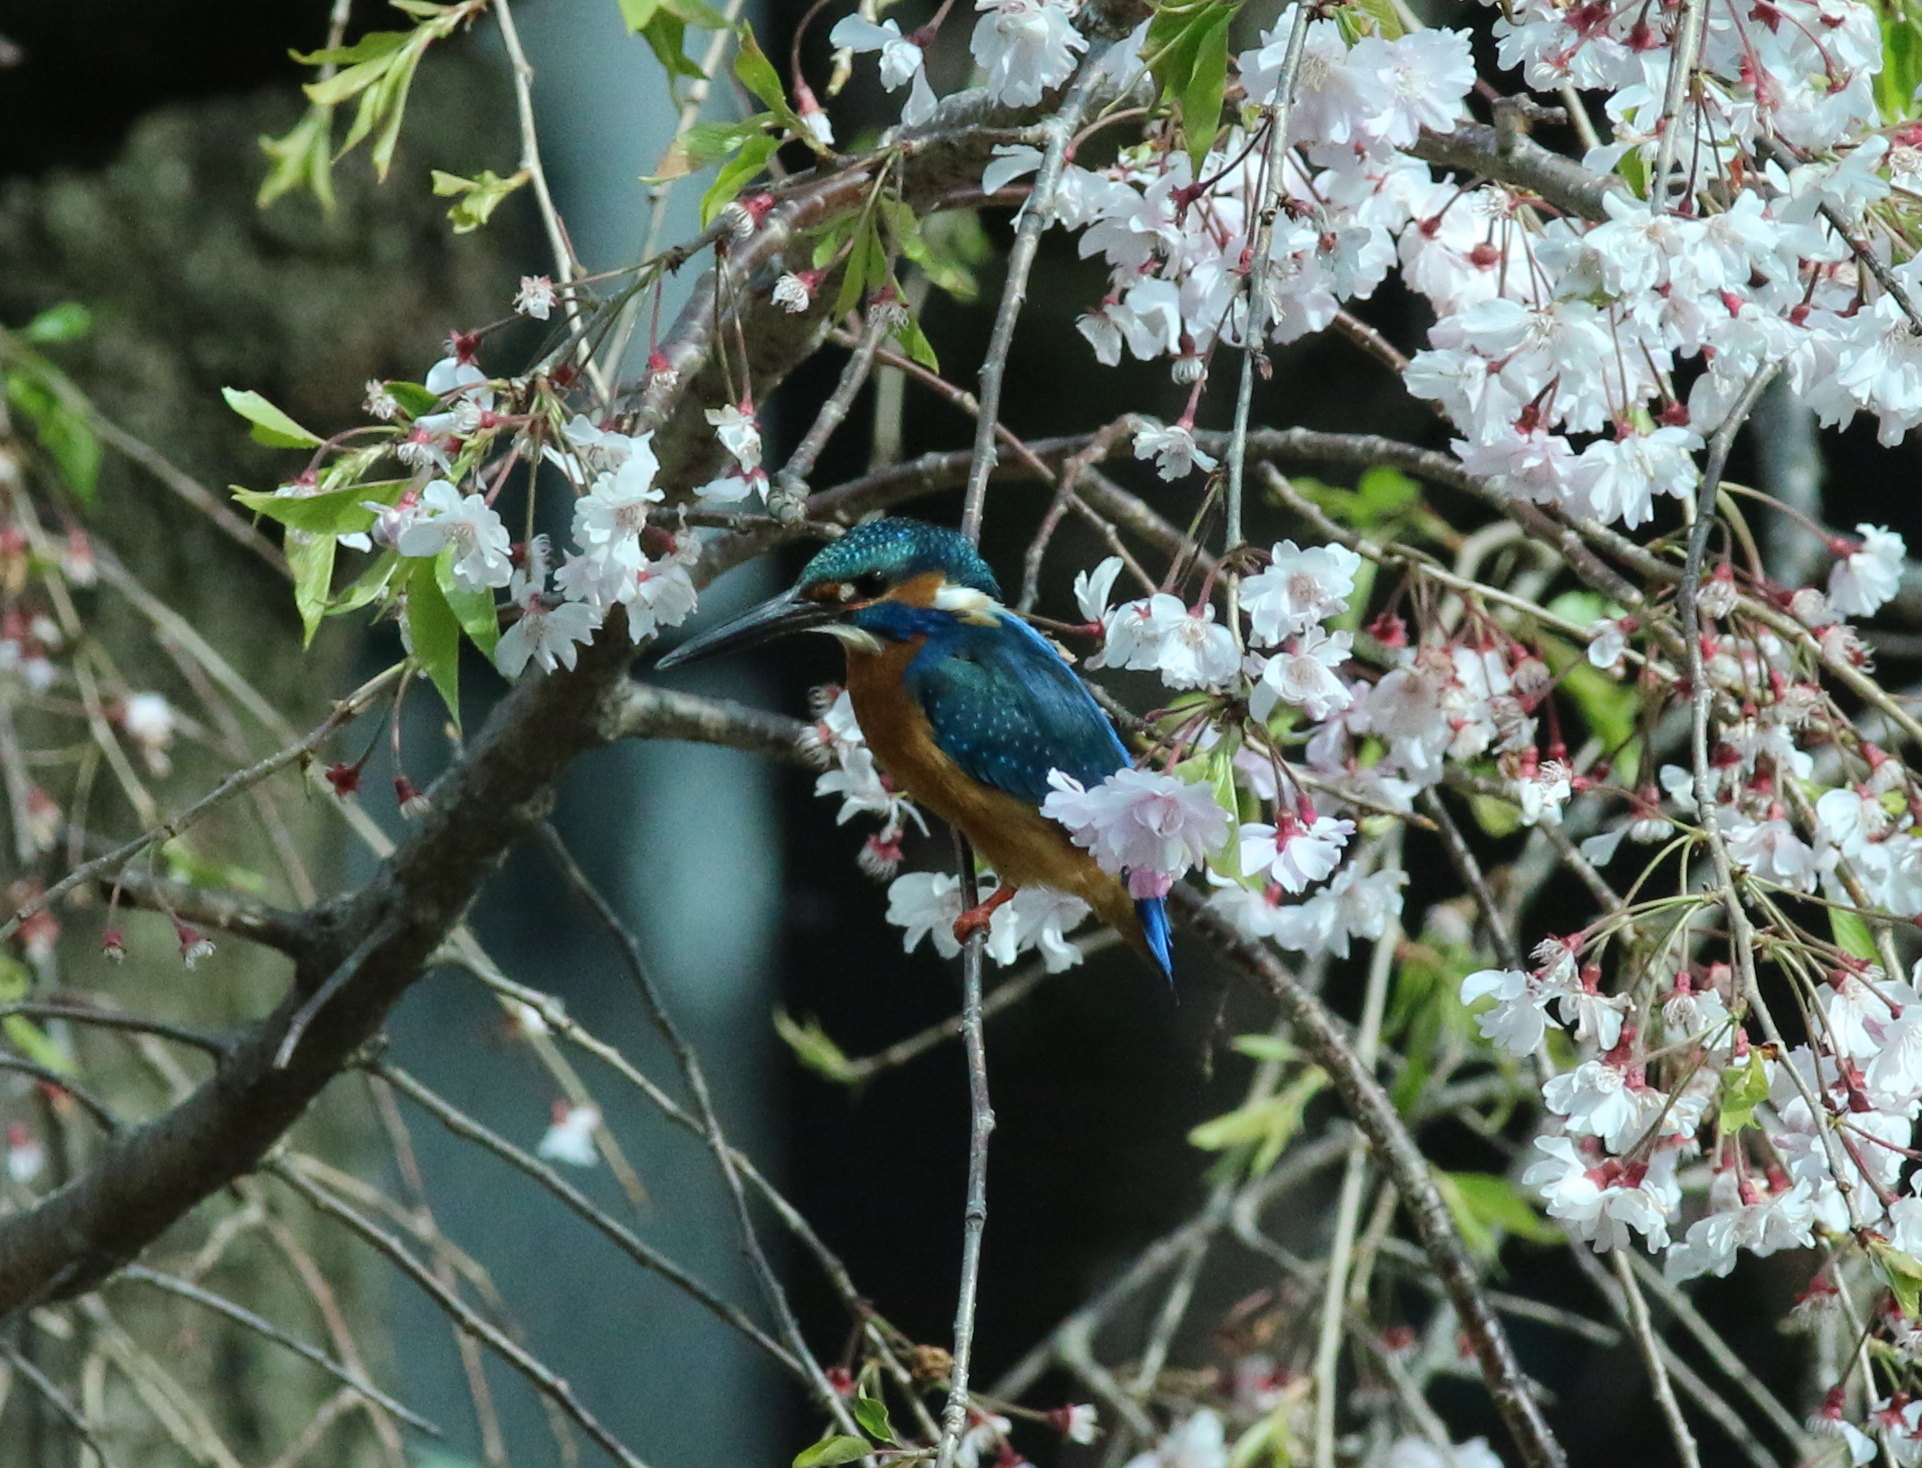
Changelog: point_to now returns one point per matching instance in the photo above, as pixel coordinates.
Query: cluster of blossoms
(1583, 363)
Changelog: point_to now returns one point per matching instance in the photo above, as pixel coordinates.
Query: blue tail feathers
(1153, 912)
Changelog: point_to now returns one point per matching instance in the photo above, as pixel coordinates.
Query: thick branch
(1477, 148)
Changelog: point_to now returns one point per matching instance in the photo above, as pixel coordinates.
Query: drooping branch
(1396, 1151)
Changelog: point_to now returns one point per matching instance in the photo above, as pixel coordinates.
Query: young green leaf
(434, 631)
(271, 426)
(66, 322)
(815, 1049)
(35, 391)
(872, 1414)
(475, 199)
(832, 1450)
(337, 512)
(311, 559)
(735, 173)
(474, 610)
(1744, 1087)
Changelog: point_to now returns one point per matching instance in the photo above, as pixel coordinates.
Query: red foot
(976, 919)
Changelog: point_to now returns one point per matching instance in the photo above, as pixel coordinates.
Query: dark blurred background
(126, 181)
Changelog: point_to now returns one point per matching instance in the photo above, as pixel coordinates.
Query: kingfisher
(963, 703)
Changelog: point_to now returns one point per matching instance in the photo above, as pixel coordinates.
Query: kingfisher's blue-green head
(882, 581)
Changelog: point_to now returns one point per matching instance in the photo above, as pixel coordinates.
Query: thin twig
(241, 1315)
(543, 1380)
(799, 1358)
(974, 1219)
(1058, 128)
(1278, 109)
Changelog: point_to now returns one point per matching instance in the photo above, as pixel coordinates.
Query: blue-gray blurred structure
(683, 839)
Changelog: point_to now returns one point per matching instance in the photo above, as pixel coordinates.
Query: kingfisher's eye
(870, 584)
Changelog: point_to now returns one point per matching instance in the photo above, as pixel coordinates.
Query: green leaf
(414, 399)
(1486, 1206)
(1902, 1273)
(434, 631)
(1744, 1087)
(66, 322)
(814, 1049)
(1268, 1047)
(373, 58)
(1852, 934)
(867, 266)
(872, 1414)
(16, 982)
(750, 160)
(369, 47)
(1187, 50)
(58, 425)
(475, 199)
(1267, 1125)
(311, 558)
(336, 512)
(666, 37)
(831, 1450)
(758, 75)
(271, 426)
(707, 143)
(303, 158)
(1377, 16)
(915, 342)
(639, 14)
(474, 610)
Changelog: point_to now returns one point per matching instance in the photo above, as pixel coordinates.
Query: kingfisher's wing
(1005, 707)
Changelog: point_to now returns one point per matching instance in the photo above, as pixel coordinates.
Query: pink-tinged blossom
(616, 507)
(1870, 576)
(1135, 631)
(1772, 851)
(1293, 854)
(469, 526)
(1415, 81)
(571, 1137)
(464, 387)
(26, 1154)
(1027, 47)
(1146, 826)
(1518, 1019)
(1351, 906)
(739, 433)
(1596, 1100)
(1092, 589)
(1604, 1204)
(1037, 919)
(536, 297)
(1199, 1442)
(1197, 652)
(549, 637)
(1302, 675)
(1764, 1224)
(1607, 643)
(1542, 793)
(1172, 448)
(903, 61)
(1298, 589)
(925, 905)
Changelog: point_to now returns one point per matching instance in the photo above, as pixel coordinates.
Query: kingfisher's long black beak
(784, 614)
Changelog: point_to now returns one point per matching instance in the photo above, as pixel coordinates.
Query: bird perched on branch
(964, 704)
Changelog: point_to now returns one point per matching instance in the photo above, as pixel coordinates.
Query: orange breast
(1023, 846)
